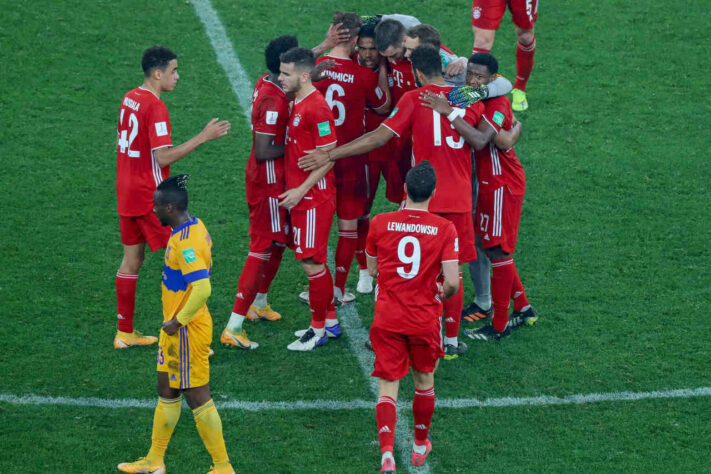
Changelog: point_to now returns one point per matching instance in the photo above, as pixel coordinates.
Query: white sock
(319, 332)
(525, 308)
(260, 301)
(483, 303)
(386, 455)
(419, 449)
(331, 322)
(235, 322)
(452, 341)
(364, 273)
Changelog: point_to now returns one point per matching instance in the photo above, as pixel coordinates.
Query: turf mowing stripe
(226, 55)
(544, 400)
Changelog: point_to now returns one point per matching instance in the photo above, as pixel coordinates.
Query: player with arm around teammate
(183, 364)
(145, 152)
(408, 250)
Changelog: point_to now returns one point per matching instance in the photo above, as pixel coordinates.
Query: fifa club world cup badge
(476, 13)
(297, 119)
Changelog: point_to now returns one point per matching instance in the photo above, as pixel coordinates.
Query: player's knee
(526, 37)
(483, 39)
(423, 380)
(131, 263)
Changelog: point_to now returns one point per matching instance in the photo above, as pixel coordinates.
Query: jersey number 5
(124, 144)
(411, 258)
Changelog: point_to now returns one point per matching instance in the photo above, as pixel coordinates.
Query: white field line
(357, 404)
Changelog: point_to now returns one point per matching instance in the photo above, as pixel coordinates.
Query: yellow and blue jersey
(188, 258)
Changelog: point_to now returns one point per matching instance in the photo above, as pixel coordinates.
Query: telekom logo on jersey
(398, 77)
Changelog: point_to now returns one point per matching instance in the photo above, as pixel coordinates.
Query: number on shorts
(412, 258)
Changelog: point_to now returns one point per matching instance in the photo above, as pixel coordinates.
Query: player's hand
(455, 68)
(436, 102)
(290, 198)
(440, 291)
(171, 327)
(335, 35)
(464, 96)
(313, 160)
(317, 71)
(215, 129)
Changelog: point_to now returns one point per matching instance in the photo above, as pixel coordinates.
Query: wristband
(455, 113)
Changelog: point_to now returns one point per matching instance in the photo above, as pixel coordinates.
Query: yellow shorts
(185, 355)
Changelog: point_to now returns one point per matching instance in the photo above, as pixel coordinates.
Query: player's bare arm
(477, 138)
(507, 139)
(292, 197)
(317, 71)
(212, 131)
(450, 271)
(265, 149)
(372, 265)
(383, 84)
(370, 141)
(334, 35)
(455, 68)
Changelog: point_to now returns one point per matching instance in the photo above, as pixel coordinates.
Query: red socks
(386, 417)
(480, 50)
(345, 250)
(524, 63)
(423, 406)
(125, 300)
(502, 277)
(518, 294)
(272, 267)
(320, 297)
(249, 281)
(453, 311)
(363, 227)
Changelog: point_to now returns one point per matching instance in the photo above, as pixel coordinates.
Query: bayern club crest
(297, 119)
(476, 13)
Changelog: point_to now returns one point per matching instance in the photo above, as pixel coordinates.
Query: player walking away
(145, 153)
(310, 196)
(502, 184)
(433, 138)
(408, 250)
(486, 18)
(264, 182)
(183, 364)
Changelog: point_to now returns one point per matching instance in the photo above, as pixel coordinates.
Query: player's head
(276, 48)
(420, 182)
(171, 199)
(426, 64)
(160, 65)
(295, 69)
(481, 69)
(367, 51)
(389, 35)
(420, 35)
(349, 21)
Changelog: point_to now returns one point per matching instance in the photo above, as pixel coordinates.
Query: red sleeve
(450, 243)
(323, 128)
(158, 126)
(473, 113)
(371, 247)
(400, 119)
(495, 114)
(270, 116)
(374, 95)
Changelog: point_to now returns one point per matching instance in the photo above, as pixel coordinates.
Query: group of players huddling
(387, 99)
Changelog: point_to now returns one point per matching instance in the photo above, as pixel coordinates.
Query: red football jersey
(143, 126)
(310, 126)
(400, 78)
(494, 167)
(348, 88)
(435, 139)
(270, 112)
(410, 246)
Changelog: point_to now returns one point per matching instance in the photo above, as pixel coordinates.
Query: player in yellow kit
(184, 344)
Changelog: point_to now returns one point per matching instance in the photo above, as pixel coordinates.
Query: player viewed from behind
(264, 183)
(486, 18)
(145, 153)
(183, 365)
(408, 251)
(310, 196)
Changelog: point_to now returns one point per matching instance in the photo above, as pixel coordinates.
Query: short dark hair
(421, 181)
(173, 191)
(388, 33)
(485, 59)
(349, 20)
(156, 57)
(427, 34)
(275, 48)
(367, 31)
(427, 60)
(302, 58)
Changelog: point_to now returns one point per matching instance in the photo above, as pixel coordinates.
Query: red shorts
(138, 229)
(393, 181)
(497, 218)
(465, 232)
(395, 352)
(352, 194)
(267, 224)
(310, 229)
(487, 14)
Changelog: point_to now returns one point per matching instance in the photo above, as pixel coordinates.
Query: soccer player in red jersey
(348, 88)
(486, 18)
(263, 184)
(145, 153)
(310, 196)
(434, 139)
(408, 251)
